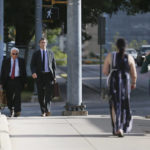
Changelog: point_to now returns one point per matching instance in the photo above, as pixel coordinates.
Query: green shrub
(60, 57)
(28, 90)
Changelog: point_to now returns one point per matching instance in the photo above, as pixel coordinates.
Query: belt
(14, 78)
(46, 72)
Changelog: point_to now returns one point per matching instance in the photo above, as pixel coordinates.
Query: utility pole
(38, 22)
(74, 105)
(38, 32)
(1, 30)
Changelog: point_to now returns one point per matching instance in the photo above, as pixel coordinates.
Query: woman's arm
(106, 66)
(133, 72)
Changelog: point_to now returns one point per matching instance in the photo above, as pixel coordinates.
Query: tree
(113, 46)
(20, 14)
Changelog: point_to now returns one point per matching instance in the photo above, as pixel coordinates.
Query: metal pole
(1, 30)
(38, 28)
(38, 23)
(74, 49)
(100, 68)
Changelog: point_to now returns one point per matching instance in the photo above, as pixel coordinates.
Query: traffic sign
(101, 30)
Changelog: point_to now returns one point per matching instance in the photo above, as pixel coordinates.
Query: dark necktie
(43, 64)
(13, 71)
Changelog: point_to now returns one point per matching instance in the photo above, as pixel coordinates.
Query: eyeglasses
(14, 53)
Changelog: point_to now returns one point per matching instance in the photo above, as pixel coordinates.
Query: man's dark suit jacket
(5, 71)
(36, 63)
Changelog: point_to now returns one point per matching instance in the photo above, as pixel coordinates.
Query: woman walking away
(119, 67)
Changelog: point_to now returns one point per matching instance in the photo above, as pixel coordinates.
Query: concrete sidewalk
(75, 133)
(5, 143)
(92, 132)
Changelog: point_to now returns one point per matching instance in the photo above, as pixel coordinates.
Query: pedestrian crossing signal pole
(74, 105)
(38, 30)
(38, 22)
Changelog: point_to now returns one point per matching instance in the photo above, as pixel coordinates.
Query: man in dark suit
(43, 71)
(13, 78)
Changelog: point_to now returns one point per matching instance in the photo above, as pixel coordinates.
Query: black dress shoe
(48, 113)
(17, 114)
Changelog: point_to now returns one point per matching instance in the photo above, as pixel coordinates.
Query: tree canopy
(20, 14)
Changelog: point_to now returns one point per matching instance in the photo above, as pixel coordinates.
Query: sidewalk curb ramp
(5, 142)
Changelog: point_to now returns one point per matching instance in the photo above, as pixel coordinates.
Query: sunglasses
(14, 53)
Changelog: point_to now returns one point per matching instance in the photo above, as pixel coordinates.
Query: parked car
(144, 50)
(132, 52)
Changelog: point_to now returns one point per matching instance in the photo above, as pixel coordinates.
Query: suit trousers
(44, 89)
(13, 94)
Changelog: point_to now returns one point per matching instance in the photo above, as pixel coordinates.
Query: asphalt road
(140, 101)
(140, 97)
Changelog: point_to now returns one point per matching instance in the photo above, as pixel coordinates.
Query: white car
(144, 50)
(132, 52)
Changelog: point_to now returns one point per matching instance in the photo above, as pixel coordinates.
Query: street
(140, 101)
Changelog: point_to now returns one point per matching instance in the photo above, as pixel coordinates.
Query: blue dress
(119, 82)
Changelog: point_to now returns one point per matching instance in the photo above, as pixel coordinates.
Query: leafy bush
(136, 44)
(28, 91)
(52, 34)
(60, 57)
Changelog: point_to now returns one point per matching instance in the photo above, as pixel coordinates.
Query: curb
(5, 143)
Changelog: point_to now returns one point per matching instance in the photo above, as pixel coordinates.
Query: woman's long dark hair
(121, 45)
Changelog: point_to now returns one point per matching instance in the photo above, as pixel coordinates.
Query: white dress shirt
(16, 67)
(46, 60)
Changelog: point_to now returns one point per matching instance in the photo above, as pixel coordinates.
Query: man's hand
(1, 86)
(54, 80)
(34, 75)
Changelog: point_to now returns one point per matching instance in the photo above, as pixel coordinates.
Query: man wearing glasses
(13, 78)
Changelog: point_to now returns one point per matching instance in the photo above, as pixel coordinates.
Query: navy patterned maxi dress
(119, 82)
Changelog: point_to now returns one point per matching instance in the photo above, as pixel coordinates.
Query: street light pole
(1, 30)
(74, 104)
(38, 22)
(38, 32)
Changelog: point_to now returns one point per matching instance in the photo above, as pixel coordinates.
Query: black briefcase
(56, 91)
